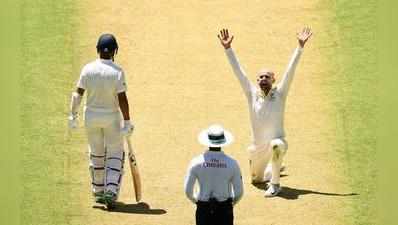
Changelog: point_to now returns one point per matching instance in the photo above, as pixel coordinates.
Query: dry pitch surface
(180, 82)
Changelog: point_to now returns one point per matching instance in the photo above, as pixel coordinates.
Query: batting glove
(73, 123)
(127, 129)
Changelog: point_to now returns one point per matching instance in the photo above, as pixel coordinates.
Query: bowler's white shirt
(103, 80)
(266, 112)
(218, 176)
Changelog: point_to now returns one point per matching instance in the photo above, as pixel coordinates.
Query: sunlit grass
(356, 93)
(46, 71)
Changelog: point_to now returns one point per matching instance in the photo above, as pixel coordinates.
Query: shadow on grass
(294, 193)
(139, 208)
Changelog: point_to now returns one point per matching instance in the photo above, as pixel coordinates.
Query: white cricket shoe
(273, 190)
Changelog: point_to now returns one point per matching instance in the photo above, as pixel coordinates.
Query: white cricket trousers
(106, 151)
(259, 157)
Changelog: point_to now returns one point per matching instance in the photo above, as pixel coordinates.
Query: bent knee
(279, 144)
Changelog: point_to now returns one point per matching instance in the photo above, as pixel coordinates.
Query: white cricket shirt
(266, 112)
(218, 176)
(103, 80)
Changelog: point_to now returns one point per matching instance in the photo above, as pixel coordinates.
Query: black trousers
(214, 212)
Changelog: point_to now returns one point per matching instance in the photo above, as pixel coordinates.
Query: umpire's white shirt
(266, 112)
(103, 80)
(218, 176)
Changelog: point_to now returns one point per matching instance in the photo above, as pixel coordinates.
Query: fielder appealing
(219, 178)
(266, 107)
(105, 84)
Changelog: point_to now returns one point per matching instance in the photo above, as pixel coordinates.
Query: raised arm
(302, 38)
(226, 41)
(237, 184)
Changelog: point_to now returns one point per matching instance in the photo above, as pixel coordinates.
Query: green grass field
(357, 101)
(9, 125)
(47, 34)
(48, 70)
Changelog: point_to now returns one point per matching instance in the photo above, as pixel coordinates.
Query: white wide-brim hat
(215, 136)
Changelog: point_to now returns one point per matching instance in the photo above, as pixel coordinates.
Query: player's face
(265, 80)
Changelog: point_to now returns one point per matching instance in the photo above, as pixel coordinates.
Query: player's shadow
(139, 208)
(294, 193)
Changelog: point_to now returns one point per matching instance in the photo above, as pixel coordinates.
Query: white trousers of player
(106, 151)
(260, 156)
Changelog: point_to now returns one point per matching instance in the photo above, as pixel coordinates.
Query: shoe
(109, 199)
(273, 190)
(268, 172)
(99, 197)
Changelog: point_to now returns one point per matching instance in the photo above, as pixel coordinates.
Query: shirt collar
(271, 93)
(214, 152)
(107, 61)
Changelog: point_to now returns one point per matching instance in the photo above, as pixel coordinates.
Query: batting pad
(114, 170)
(97, 172)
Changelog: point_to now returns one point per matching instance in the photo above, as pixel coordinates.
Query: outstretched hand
(225, 39)
(303, 36)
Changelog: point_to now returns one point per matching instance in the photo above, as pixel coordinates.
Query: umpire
(219, 179)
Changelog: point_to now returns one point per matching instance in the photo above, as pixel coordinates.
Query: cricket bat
(134, 171)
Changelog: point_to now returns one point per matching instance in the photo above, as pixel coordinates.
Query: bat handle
(129, 144)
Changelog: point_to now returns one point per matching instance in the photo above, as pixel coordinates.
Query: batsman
(106, 119)
(266, 108)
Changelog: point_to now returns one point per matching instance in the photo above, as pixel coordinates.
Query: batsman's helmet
(107, 43)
